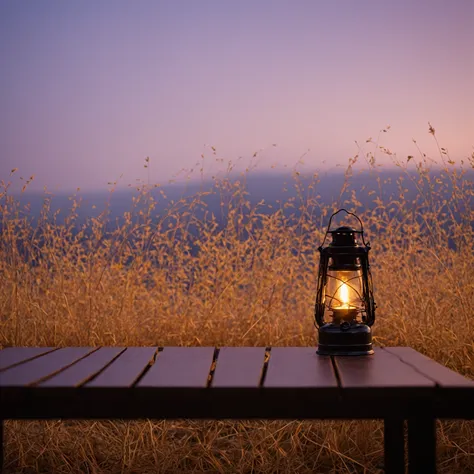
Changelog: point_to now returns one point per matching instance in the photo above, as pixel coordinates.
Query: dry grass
(181, 279)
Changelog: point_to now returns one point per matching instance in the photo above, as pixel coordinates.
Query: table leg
(422, 444)
(394, 445)
(1, 446)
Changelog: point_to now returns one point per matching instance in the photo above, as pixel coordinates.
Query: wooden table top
(229, 382)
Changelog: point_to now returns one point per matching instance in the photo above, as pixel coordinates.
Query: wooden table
(395, 384)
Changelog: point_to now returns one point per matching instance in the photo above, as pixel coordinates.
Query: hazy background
(90, 88)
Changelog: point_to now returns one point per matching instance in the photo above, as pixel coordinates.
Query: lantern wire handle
(361, 231)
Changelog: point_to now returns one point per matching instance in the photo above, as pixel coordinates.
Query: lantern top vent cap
(344, 237)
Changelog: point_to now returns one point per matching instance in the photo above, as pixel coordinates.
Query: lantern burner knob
(345, 326)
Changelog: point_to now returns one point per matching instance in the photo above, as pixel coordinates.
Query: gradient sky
(90, 88)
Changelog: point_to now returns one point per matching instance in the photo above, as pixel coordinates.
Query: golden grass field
(248, 285)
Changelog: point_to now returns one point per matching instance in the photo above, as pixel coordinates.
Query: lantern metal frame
(348, 335)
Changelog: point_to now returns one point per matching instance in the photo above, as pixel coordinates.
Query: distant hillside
(274, 189)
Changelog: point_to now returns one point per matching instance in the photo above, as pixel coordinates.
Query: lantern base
(345, 339)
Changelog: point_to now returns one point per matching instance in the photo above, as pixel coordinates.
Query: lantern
(345, 307)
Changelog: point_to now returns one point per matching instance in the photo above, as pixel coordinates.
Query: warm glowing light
(344, 294)
(344, 297)
(344, 290)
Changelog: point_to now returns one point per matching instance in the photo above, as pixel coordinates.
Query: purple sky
(90, 88)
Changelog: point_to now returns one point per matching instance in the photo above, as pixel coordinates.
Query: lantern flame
(344, 296)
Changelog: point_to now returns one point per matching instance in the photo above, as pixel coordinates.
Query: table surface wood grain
(227, 382)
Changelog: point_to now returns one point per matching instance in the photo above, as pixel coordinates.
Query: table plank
(239, 367)
(381, 370)
(443, 376)
(180, 367)
(125, 369)
(44, 366)
(297, 367)
(15, 355)
(84, 369)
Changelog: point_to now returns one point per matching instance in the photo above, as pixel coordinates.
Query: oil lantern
(345, 307)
